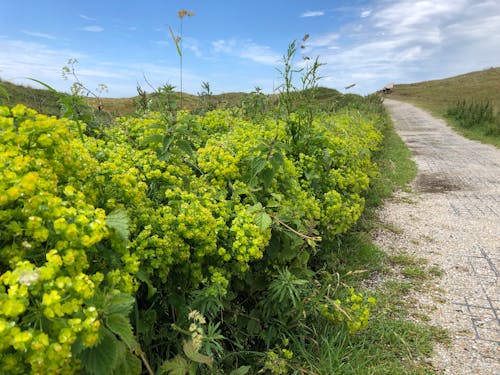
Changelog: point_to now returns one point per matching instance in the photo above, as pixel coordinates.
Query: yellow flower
(51, 298)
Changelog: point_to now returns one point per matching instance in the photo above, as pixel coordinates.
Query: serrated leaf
(175, 366)
(101, 359)
(194, 355)
(119, 304)
(277, 160)
(152, 139)
(263, 220)
(266, 176)
(185, 146)
(240, 370)
(120, 325)
(130, 365)
(255, 208)
(257, 165)
(119, 221)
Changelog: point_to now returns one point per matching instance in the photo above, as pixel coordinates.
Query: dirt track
(452, 219)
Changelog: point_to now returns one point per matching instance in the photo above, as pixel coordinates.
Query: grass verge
(392, 344)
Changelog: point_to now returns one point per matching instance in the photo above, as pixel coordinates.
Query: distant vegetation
(46, 102)
(470, 101)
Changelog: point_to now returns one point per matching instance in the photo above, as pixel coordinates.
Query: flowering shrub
(215, 203)
(52, 240)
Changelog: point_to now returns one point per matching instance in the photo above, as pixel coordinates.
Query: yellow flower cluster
(354, 311)
(50, 265)
(249, 241)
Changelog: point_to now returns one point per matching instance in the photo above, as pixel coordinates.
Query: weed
(178, 41)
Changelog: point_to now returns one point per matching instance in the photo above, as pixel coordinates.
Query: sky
(238, 45)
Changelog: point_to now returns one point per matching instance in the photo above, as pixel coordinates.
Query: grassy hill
(461, 92)
(438, 95)
(47, 102)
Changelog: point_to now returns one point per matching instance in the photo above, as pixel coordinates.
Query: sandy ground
(452, 218)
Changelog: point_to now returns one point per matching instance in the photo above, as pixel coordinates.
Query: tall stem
(180, 56)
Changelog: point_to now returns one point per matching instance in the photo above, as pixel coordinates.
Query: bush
(164, 215)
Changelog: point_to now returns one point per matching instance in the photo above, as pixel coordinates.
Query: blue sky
(236, 45)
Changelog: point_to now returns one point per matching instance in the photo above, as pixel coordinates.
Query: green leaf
(152, 139)
(102, 358)
(119, 304)
(240, 370)
(143, 276)
(185, 146)
(119, 221)
(130, 365)
(277, 160)
(175, 366)
(257, 165)
(120, 325)
(176, 41)
(266, 176)
(263, 220)
(194, 355)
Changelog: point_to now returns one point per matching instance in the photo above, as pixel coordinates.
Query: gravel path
(452, 218)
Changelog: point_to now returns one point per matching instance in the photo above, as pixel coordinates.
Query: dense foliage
(175, 242)
(476, 115)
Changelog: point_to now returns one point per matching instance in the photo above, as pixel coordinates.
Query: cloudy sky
(237, 45)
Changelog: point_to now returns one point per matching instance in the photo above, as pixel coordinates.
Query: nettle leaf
(102, 358)
(130, 365)
(152, 139)
(240, 370)
(119, 221)
(185, 146)
(266, 176)
(263, 220)
(120, 325)
(119, 304)
(191, 352)
(176, 366)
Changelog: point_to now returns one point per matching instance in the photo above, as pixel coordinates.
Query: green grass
(438, 95)
(392, 344)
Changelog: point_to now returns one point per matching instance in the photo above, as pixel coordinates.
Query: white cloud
(21, 59)
(312, 13)
(223, 45)
(410, 41)
(366, 13)
(247, 49)
(87, 18)
(38, 35)
(324, 40)
(409, 15)
(258, 53)
(192, 45)
(93, 29)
